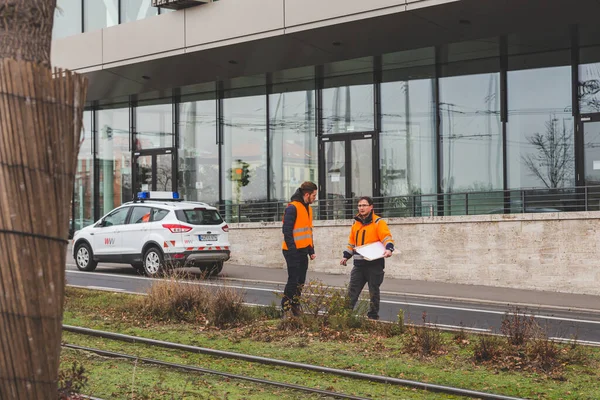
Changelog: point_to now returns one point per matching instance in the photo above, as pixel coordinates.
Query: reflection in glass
(84, 177)
(591, 155)
(407, 152)
(143, 175)
(154, 125)
(164, 172)
(244, 145)
(134, 10)
(98, 14)
(114, 158)
(198, 152)
(348, 109)
(361, 170)
(471, 133)
(67, 19)
(293, 144)
(589, 88)
(540, 129)
(335, 186)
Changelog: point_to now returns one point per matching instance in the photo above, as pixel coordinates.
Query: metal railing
(584, 198)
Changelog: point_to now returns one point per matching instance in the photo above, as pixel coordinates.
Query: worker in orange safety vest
(297, 245)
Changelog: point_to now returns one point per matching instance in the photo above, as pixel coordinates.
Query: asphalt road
(446, 313)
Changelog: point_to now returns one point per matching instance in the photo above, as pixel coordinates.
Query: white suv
(153, 233)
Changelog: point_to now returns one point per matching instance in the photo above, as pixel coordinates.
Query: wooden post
(40, 126)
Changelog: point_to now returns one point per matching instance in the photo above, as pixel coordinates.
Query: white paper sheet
(371, 251)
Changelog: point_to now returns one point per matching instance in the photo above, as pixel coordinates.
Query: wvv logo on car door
(109, 241)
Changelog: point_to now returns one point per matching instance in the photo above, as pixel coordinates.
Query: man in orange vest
(297, 244)
(367, 228)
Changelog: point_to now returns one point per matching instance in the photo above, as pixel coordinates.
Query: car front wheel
(84, 258)
(153, 261)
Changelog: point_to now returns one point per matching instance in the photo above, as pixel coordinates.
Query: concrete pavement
(447, 291)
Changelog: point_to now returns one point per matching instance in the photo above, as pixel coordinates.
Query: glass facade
(198, 151)
(244, 147)
(292, 140)
(451, 130)
(114, 158)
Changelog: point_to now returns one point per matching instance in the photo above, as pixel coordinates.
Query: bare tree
(40, 126)
(553, 161)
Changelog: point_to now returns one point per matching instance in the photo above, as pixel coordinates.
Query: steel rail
(290, 364)
(215, 372)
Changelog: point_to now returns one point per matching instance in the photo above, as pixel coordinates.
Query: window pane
(67, 18)
(114, 158)
(134, 10)
(244, 148)
(407, 152)
(84, 177)
(471, 133)
(198, 151)
(348, 96)
(100, 14)
(140, 215)
(293, 144)
(154, 126)
(540, 128)
(348, 109)
(589, 80)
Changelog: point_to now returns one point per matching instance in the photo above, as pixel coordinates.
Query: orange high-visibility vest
(303, 235)
(375, 231)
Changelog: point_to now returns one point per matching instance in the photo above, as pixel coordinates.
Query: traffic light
(241, 173)
(245, 178)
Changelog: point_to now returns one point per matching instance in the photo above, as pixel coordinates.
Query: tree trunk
(40, 125)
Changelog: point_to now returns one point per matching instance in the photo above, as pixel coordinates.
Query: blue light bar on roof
(157, 195)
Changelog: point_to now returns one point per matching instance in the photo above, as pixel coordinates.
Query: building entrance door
(347, 173)
(153, 170)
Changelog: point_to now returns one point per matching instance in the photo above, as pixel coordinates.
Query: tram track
(266, 361)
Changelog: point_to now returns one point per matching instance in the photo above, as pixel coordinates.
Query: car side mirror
(101, 224)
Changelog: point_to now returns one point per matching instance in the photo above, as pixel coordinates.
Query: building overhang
(281, 49)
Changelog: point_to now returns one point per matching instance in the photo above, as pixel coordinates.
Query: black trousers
(370, 272)
(297, 265)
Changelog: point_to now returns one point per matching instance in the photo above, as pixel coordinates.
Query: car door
(108, 239)
(135, 231)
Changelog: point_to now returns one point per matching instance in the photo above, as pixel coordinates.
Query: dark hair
(367, 199)
(308, 187)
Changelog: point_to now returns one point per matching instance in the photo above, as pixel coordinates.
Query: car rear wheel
(84, 258)
(153, 262)
(212, 270)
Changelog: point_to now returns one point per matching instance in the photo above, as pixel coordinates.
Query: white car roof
(175, 205)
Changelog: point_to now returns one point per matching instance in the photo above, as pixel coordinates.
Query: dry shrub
(227, 308)
(544, 355)
(174, 299)
(488, 348)
(574, 353)
(424, 341)
(518, 327)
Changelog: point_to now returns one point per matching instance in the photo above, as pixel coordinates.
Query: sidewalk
(446, 291)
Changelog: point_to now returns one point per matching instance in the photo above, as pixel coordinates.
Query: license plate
(207, 238)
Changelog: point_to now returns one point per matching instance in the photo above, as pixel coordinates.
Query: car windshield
(199, 216)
